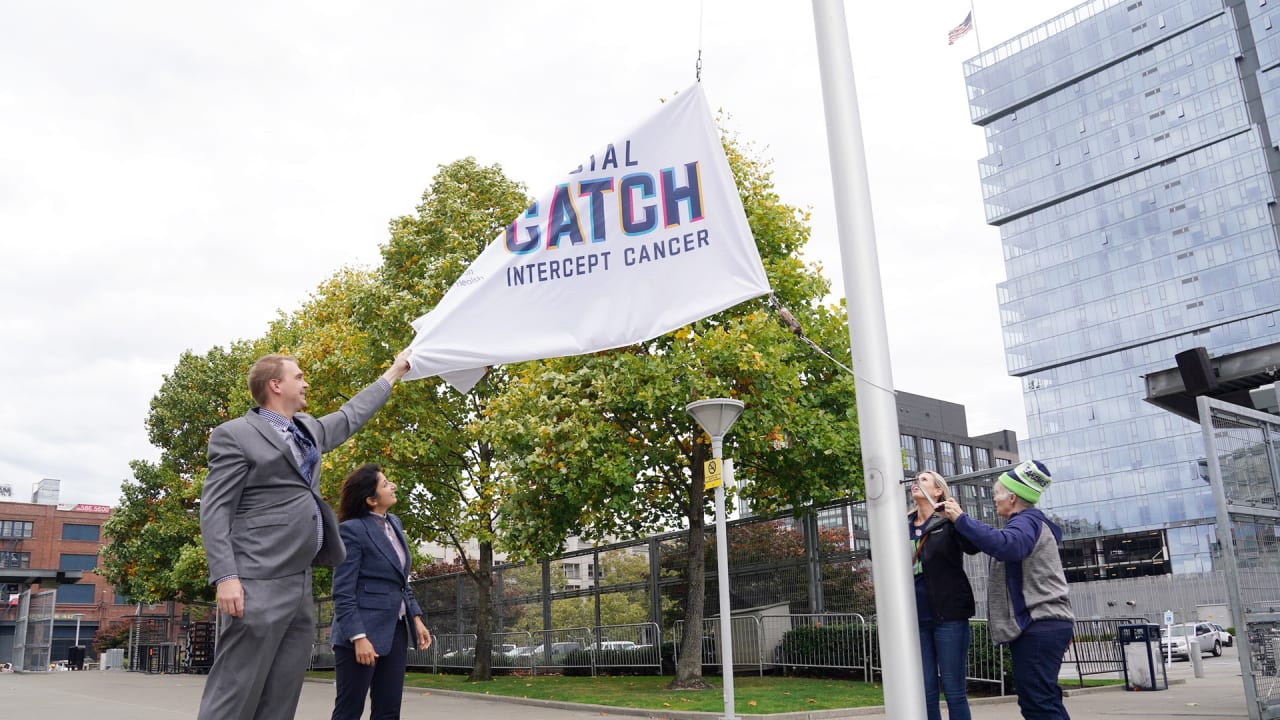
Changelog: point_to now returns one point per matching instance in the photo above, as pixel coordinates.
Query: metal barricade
(986, 660)
(747, 637)
(560, 649)
(1094, 649)
(626, 646)
(830, 641)
(453, 652)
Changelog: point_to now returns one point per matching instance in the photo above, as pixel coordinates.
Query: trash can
(1143, 664)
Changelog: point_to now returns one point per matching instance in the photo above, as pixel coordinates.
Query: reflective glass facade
(1132, 170)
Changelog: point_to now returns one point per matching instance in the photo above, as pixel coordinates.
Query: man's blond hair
(264, 370)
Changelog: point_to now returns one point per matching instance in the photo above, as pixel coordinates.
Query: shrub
(825, 646)
(115, 635)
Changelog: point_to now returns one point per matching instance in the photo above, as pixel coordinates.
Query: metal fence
(846, 643)
(813, 562)
(1242, 450)
(1094, 649)
(154, 645)
(580, 650)
(33, 634)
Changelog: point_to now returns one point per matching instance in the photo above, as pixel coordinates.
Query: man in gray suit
(264, 526)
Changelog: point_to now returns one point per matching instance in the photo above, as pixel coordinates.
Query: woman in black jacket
(944, 599)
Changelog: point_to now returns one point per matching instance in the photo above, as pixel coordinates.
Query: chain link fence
(1241, 449)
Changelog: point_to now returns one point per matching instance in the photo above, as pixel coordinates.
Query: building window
(948, 458)
(68, 561)
(75, 594)
(71, 531)
(966, 459)
(831, 518)
(571, 571)
(15, 528)
(982, 458)
(15, 559)
(121, 599)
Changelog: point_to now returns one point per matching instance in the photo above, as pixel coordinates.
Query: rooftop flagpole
(869, 337)
(973, 20)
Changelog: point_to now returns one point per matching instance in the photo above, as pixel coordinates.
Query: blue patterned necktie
(310, 455)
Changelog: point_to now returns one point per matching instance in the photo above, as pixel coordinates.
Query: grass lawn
(752, 694)
(1089, 682)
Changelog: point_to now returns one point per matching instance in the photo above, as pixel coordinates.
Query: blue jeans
(944, 653)
(1037, 658)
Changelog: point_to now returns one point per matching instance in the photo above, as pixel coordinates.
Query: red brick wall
(47, 546)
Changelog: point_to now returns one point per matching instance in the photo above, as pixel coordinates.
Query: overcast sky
(174, 174)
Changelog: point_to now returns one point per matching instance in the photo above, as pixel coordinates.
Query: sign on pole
(712, 475)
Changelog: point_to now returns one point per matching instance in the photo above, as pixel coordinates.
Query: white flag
(646, 236)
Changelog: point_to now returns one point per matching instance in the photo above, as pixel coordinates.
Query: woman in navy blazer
(373, 607)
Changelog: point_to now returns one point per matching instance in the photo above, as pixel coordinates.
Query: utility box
(1143, 664)
(112, 659)
(75, 657)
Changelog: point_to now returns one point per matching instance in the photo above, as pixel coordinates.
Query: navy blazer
(370, 584)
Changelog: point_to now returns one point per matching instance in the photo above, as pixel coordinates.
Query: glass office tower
(1132, 171)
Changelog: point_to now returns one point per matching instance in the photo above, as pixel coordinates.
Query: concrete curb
(1073, 692)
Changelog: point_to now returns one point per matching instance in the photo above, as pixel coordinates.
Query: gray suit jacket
(257, 510)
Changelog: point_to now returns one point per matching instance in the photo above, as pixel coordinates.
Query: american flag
(960, 30)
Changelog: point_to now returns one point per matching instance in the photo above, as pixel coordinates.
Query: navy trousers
(1037, 658)
(383, 681)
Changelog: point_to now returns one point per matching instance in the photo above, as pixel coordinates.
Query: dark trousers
(944, 653)
(1037, 657)
(383, 681)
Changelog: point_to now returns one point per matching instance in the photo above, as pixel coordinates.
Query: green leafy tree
(601, 444)
(427, 438)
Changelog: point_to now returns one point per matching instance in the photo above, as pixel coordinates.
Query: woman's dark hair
(359, 486)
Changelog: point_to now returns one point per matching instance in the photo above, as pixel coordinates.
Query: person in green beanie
(1027, 598)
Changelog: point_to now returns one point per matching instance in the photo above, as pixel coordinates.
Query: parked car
(1223, 636)
(1182, 636)
(559, 651)
(614, 645)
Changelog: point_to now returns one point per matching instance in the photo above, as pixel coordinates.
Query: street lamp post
(77, 616)
(715, 417)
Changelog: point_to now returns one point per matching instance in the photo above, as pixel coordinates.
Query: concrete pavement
(134, 696)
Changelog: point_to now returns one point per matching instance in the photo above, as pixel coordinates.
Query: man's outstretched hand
(399, 367)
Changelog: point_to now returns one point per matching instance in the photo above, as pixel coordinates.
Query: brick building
(45, 535)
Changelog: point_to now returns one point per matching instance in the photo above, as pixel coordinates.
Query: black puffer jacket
(950, 595)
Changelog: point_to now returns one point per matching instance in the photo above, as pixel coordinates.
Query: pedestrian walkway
(136, 696)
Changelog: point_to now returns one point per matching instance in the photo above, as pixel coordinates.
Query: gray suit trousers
(259, 668)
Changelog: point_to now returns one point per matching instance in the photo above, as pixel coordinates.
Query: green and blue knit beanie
(1027, 480)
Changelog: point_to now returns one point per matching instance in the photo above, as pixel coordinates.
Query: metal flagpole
(973, 22)
(869, 337)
